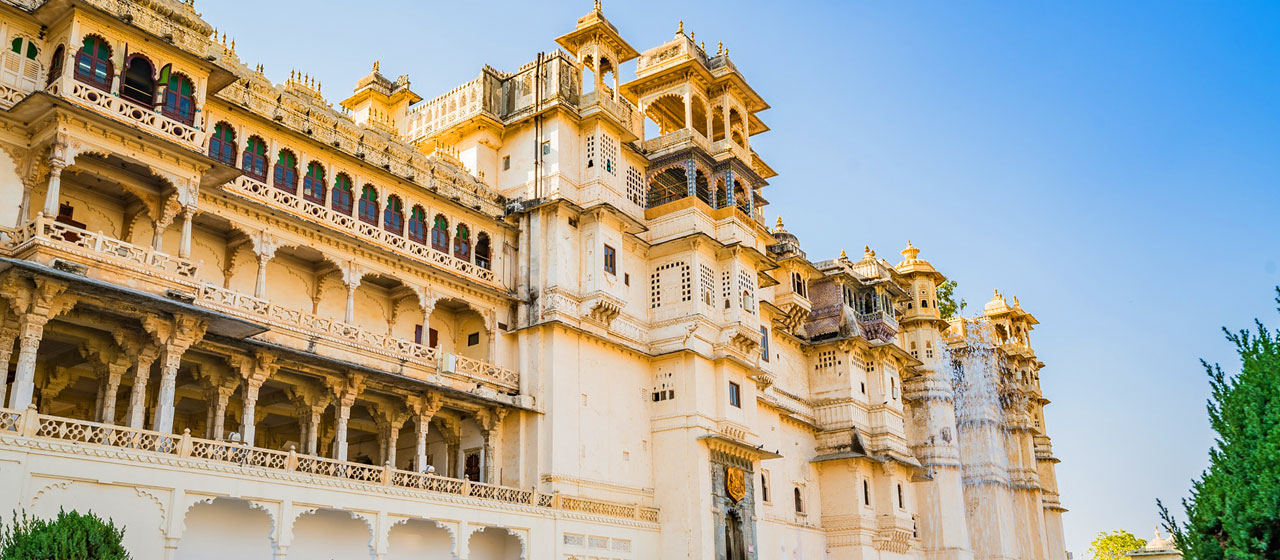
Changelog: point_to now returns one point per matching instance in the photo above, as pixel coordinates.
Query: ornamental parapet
(128, 112)
(150, 447)
(44, 239)
(620, 109)
(399, 244)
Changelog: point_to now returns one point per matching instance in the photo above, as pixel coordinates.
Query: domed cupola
(787, 243)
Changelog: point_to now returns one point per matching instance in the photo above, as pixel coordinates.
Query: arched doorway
(495, 543)
(210, 524)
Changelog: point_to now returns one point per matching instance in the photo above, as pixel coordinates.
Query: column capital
(256, 368)
(347, 388)
(490, 419)
(426, 405)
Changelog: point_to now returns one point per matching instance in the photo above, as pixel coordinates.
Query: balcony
(727, 146)
(673, 141)
(466, 371)
(295, 205)
(44, 239)
(620, 110)
(115, 107)
(148, 449)
(879, 324)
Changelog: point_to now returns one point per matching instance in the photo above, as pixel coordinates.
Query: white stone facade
(501, 323)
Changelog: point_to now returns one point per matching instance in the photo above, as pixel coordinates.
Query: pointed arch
(440, 233)
(369, 205)
(285, 172)
(179, 97)
(484, 253)
(313, 184)
(254, 162)
(138, 83)
(342, 199)
(418, 225)
(393, 216)
(93, 63)
(222, 143)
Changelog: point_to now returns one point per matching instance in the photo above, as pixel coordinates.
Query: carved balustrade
(45, 232)
(152, 447)
(144, 118)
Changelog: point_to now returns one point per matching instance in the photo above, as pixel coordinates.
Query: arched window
(254, 162)
(179, 97)
(55, 65)
(342, 194)
(393, 216)
(462, 243)
(286, 172)
(313, 185)
(440, 234)
(740, 198)
(139, 84)
(866, 493)
(799, 501)
(93, 63)
(484, 254)
(369, 205)
(222, 145)
(798, 285)
(21, 68)
(418, 225)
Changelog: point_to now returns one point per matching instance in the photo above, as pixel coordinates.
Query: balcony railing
(254, 308)
(146, 446)
(728, 145)
(879, 317)
(136, 115)
(620, 109)
(396, 243)
(98, 246)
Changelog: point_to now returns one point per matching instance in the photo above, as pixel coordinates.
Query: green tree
(947, 304)
(1234, 508)
(71, 536)
(1113, 545)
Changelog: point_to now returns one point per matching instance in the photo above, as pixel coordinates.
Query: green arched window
(286, 172)
(440, 234)
(254, 162)
(222, 145)
(342, 194)
(369, 205)
(418, 225)
(313, 185)
(393, 216)
(462, 243)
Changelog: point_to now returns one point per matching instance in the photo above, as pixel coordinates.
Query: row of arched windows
(140, 83)
(339, 197)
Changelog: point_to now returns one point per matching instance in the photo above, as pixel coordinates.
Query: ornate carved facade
(501, 323)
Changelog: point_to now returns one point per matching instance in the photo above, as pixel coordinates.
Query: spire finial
(719, 47)
(680, 31)
(779, 226)
(691, 34)
(843, 255)
(598, 5)
(376, 64)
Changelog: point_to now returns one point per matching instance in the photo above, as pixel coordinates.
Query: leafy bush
(72, 536)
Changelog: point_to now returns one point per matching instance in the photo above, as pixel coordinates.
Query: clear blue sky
(1116, 165)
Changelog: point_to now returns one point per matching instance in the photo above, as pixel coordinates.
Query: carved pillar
(8, 335)
(188, 215)
(177, 336)
(254, 371)
(35, 302)
(688, 109)
(350, 315)
(142, 361)
(168, 210)
(393, 435)
(344, 393)
(490, 421)
(691, 177)
(260, 285)
(424, 408)
(55, 187)
(310, 402)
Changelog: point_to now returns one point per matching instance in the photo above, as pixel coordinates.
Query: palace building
(243, 321)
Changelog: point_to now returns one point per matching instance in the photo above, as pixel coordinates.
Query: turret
(380, 103)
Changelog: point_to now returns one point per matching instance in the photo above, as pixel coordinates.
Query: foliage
(1234, 508)
(71, 536)
(1113, 545)
(947, 300)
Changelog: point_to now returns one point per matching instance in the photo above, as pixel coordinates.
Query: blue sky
(1116, 165)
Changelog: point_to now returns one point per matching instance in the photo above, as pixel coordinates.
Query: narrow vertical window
(222, 144)
(342, 200)
(866, 493)
(139, 83)
(484, 254)
(610, 260)
(799, 501)
(286, 172)
(393, 216)
(764, 343)
(462, 243)
(369, 205)
(735, 395)
(313, 185)
(179, 99)
(440, 234)
(254, 162)
(418, 225)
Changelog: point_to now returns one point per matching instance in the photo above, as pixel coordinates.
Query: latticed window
(369, 205)
(179, 98)
(440, 234)
(254, 161)
(393, 216)
(342, 194)
(462, 243)
(286, 172)
(484, 254)
(418, 225)
(313, 185)
(222, 145)
(93, 63)
(21, 68)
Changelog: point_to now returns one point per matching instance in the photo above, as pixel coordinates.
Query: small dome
(1159, 542)
(996, 305)
(787, 243)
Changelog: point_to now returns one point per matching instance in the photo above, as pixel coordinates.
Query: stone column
(184, 248)
(53, 192)
(222, 394)
(30, 331)
(138, 395)
(260, 285)
(254, 371)
(490, 424)
(111, 382)
(393, 435)
(422, 426)
(177, 336)
(8, 335)
(350, 315)
(340, 443)
(248, 403)
(688, 109)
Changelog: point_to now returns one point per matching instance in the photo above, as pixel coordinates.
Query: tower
(931, 424)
